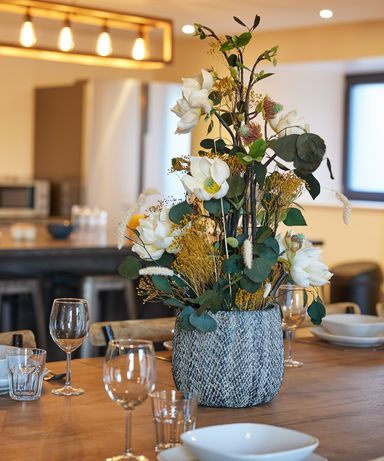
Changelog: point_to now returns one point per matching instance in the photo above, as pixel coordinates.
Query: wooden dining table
(337, 396)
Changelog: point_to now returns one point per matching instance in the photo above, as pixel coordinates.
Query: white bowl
(358, 326)
(249, 442)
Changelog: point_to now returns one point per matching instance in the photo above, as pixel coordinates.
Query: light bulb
(188, 29)
(65, 41)
(104, 43)
(27, 35)
(326, 14)
(138, 50)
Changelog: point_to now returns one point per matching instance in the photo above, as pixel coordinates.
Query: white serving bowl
(358, 326)
(249, 442)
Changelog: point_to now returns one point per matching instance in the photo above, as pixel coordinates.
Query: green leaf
(227, 117)
(210, 299)
(316, 311)
(162, 283)
(177, 212)
(243, 39)
(215, 97)
(233, 264)
(248, 285)
(184, 318)
(256, 21)
(166, 260)
(232, 60)
(232, 242)
(294, 218)
(261, 267)
(261, 249)
(210, 127)
(310, 152)
(311, 183)
(257, 149)
(220, 146)
(241, 238)
(207, 143)
(173, 302)
(130, 267)
(329, 166)
(260, 173)
(179, 282)
(285, 147)
(227, 46)
(236, 186)
(272, 243)
(213, 206)
(239, 21)
(262, 233)
(203, 322)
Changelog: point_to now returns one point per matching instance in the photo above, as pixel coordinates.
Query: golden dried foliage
(246, 301)
(197, 261)
(147, 290)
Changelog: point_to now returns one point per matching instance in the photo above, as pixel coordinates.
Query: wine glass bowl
(129, 376)
(69, 326)
(293, 301)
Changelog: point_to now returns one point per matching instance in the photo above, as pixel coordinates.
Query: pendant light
(27, 36)
(66, 41)
(104, 42)
(138, 50)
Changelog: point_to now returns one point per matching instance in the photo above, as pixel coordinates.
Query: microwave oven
(24, 199)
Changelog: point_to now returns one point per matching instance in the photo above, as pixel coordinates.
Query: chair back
(29, 339)
(156, 330)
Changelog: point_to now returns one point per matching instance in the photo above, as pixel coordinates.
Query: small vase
(240, 364)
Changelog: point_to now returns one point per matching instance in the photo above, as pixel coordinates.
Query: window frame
(351, 81)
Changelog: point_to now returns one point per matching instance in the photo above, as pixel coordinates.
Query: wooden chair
(156, 330)
(28, 338)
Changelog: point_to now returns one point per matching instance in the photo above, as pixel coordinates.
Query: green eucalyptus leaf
(227, 117)
(166, 260)
(173, 302)
(285, 147)
(294, 218)
(179, 282)
(177, 212)
(203, 322)
(261, 267)
(243, 39)
(233, 264)
(272, 243)
(207, 143)
(241, 238)
(220, 146)
(130, 267)
(263, 233)
(248, 285)
(316, 311)
(311, 183)
(236, 186)
(260, 173)
(261, 249)
(184, 318)
(232, 242)
(161, 283)
(310, 147)
(215, 97)
(213, 206)
(232, 60)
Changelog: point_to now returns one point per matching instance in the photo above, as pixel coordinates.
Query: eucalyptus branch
(225, 240)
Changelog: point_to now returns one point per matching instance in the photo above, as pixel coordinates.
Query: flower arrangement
(222, 247)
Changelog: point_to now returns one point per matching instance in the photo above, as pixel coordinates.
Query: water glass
(174, 412)
(26, 370)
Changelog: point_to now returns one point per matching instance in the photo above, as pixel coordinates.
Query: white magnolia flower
(290, 123)
(195, 101)
(156, 236)
(303, 262)
(207, 179)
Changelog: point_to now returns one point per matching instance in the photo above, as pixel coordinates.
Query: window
(363, 176)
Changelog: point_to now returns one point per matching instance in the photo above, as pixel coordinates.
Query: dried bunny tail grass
(197, 261)
(156, 270)
(347, 207)
(247, 251)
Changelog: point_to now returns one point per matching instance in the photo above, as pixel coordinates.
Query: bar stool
(32, 288)
(92, 286)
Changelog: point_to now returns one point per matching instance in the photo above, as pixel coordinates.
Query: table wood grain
(336, 396)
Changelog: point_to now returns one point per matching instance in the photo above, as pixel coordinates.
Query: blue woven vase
(240, 364)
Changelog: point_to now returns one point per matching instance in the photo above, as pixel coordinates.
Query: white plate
(249, 442)
(362, 326)
(181, 454)
(347, 340)
(168, 345)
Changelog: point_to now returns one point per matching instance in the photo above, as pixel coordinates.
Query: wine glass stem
(127, 444)
(68, 376)
(289, 334)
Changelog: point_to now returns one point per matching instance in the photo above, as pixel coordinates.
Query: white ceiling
(275, 14)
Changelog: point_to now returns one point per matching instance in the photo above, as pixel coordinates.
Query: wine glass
(129, 376)
(69, 325)
(293, 301)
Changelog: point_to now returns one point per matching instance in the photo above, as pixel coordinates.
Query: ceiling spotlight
(326, 14)
(27, 36)
(66, 42)
(188, 29)
(104, 42)
(138, 50)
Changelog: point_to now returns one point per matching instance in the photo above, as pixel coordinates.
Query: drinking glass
(293, 301)
(69, 325)
(129, 376)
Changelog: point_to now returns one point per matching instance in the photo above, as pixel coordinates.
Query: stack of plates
(351, 330)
